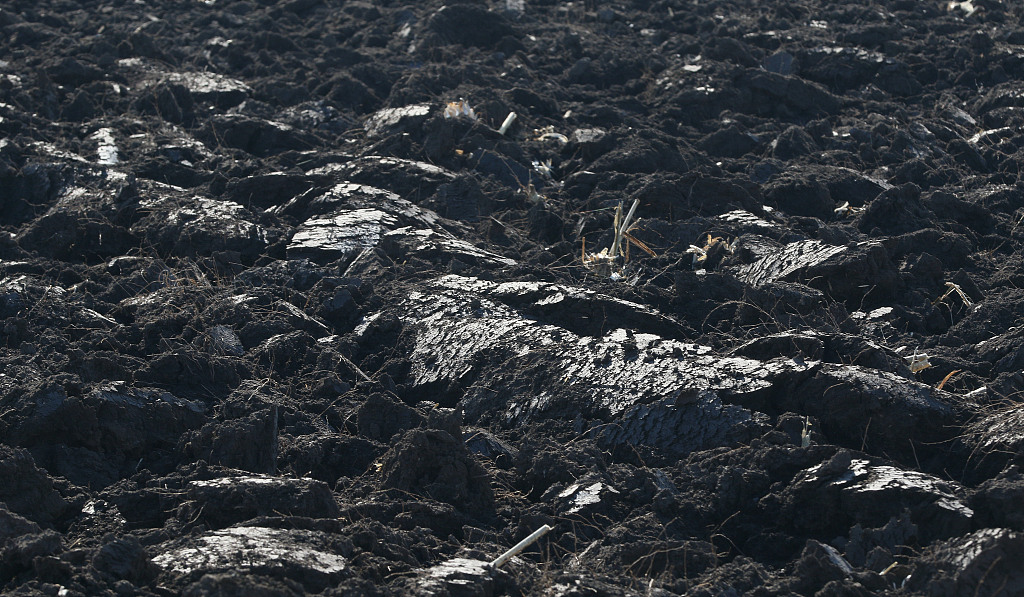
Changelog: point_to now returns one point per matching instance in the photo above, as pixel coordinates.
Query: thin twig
(355, 368)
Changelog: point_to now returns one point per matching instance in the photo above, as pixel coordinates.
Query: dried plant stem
(621, 228)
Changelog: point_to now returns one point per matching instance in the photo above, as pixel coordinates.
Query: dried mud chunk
(504, 169)
(902, 413)
(75, 235)
(195, 225)
(646, 153)
(393, 121)
(788, 297)
(315, 115)
(211, 88)
(770, 262)
(996, 502)
(461, 199)
(591, 142)
(985, 562)
(433, 463)
(833, 496)
(793, 143)
(248, 443)
(591, 496)
(729, 142)
(996, 438)
(328, 457)
(72, 72)
(469, 25)
(125, 558)
(800, 196)
(464, 577)
(566, 306)
(380, 417)
(468, 332)
(18, 555)
(97, 519)
(141, 507)
(850, 186)
(950, 248)
(838, 67)
(741, 575)
(699, 195)
(256, 136)
(312, 558)
(864, 276)
(225, 340)
(782, 63)
(410, 179)
(874, 547)
(732, 50)
(968, 155)
(347, 195)
(284, 353)
(483, 443)
(744, 221)
(676, 426)
(950, 208)
(802, 345)
(357, 216)
(28, 490)
(169, 101)
(347, 92)
(267, 190)
(895, 78)
(103, 435)
(80, 109)
(431, 245)
(896, 211)
(647, 557)
(363, 196)
(340, 236)
(221, 502)
(12, 525)
(1003, 95)
(769, 91)
(999, 198)
(858, 274)
(820, 564)
(240, 584)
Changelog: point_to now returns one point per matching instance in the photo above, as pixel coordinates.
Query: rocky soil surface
(291, 305)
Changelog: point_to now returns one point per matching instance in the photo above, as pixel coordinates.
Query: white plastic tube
(508, 555)
(508, 122)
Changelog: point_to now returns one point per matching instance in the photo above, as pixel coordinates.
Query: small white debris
(698, 253)
(967, 7)
(845, 210)
(459, 108)
(544, 168)
(917, 362)
(548, 134)
(107, 150)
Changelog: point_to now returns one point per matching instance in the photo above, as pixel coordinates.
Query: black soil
(285, 309)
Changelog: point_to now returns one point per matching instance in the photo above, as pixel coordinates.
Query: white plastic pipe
(508, 122)
(508, 555)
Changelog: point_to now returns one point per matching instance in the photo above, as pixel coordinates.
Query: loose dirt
(284, 312)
